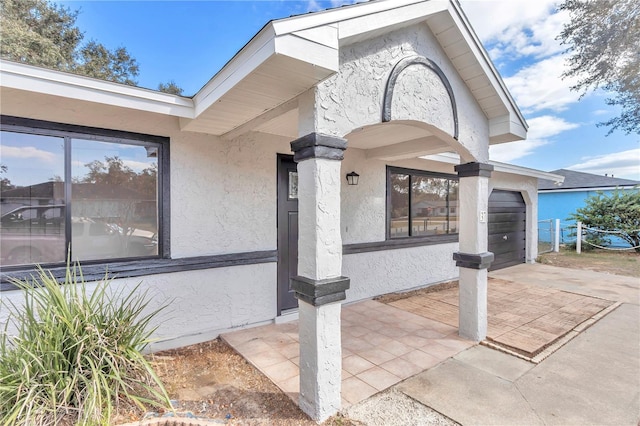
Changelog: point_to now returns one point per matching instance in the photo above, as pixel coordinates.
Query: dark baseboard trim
(399, 244)
(138, 268)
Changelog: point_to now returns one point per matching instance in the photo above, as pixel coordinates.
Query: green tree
(619, 211)
(38, 33)
(114, 65)
(170, 87)
(44, 34)
(5, 183)
(603, 38)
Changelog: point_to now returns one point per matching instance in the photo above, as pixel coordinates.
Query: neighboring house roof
(587, 181)
(581, 180)
(285, 59)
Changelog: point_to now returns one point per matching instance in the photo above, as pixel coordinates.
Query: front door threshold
(287, 316)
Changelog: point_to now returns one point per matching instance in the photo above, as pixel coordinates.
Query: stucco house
(254, 221)
(557, 200)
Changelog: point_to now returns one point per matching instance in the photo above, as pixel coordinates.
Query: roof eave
(452, 158)
(44, 81)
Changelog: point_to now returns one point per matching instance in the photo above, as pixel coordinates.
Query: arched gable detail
(395, 73)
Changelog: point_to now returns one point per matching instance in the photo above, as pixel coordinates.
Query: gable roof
(581, 180)
(286, 58)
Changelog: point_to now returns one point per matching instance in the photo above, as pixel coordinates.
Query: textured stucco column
(319, 286)
(473, 257)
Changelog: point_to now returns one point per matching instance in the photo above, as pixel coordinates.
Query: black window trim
(68, 131)
(411, 239)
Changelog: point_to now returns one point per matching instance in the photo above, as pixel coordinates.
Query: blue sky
(189, 41)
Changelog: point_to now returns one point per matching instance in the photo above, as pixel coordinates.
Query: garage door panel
(511, 255)
(511, 236)
(507, 218)
(502, 227)
(505, 264)
(500, 207)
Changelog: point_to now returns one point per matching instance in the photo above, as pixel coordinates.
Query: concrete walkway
(592, 380)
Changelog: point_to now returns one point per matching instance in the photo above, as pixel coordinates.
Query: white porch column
(319, 286)
(473, 257)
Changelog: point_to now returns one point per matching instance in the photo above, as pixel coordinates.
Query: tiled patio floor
(520, 317)
(381, 345)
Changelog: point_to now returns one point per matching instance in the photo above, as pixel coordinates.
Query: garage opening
(507, 228)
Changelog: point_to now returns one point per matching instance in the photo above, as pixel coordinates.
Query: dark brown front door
(287, 231)
(507, 228)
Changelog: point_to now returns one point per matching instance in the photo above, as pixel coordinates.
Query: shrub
(619, 212)
(76, 354)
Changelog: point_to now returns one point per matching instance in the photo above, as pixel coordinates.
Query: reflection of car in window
(36, 234)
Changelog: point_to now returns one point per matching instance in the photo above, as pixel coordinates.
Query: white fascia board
(399, 16)
(261, 47)
(506, 128)
(57, 83)
(525, 171)
(451, 158)
(327, 35)
(485, 62)
(591, 189)
(308, 51)
(316, 19)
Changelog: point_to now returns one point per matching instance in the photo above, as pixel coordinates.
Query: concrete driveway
(592, 380)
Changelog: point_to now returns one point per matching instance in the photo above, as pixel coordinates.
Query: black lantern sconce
(352, 178)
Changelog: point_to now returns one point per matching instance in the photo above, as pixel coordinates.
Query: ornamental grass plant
(76, 352)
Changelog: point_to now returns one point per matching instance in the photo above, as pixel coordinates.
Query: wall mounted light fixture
(352, 178)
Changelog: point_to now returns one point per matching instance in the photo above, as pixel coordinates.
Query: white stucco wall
(353, 98)
(199, 304)
(381, 272)
(223, 194)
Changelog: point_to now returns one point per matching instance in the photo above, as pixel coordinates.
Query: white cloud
(541, 129)
(315, 5)
(510, 151)
(623, 164)
(547, 126)
(540, 86)
(137, 166)
(517, 27)
(27, 152)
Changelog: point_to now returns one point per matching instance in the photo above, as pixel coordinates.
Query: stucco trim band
(474, 169)
(320, 292)
(318, 145)
(473, 261)
(395, 73)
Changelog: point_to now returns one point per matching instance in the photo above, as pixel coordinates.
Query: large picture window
(93, 193)
(421, 203)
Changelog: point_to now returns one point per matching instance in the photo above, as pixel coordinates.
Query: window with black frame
(98, 196)
(421, 203)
